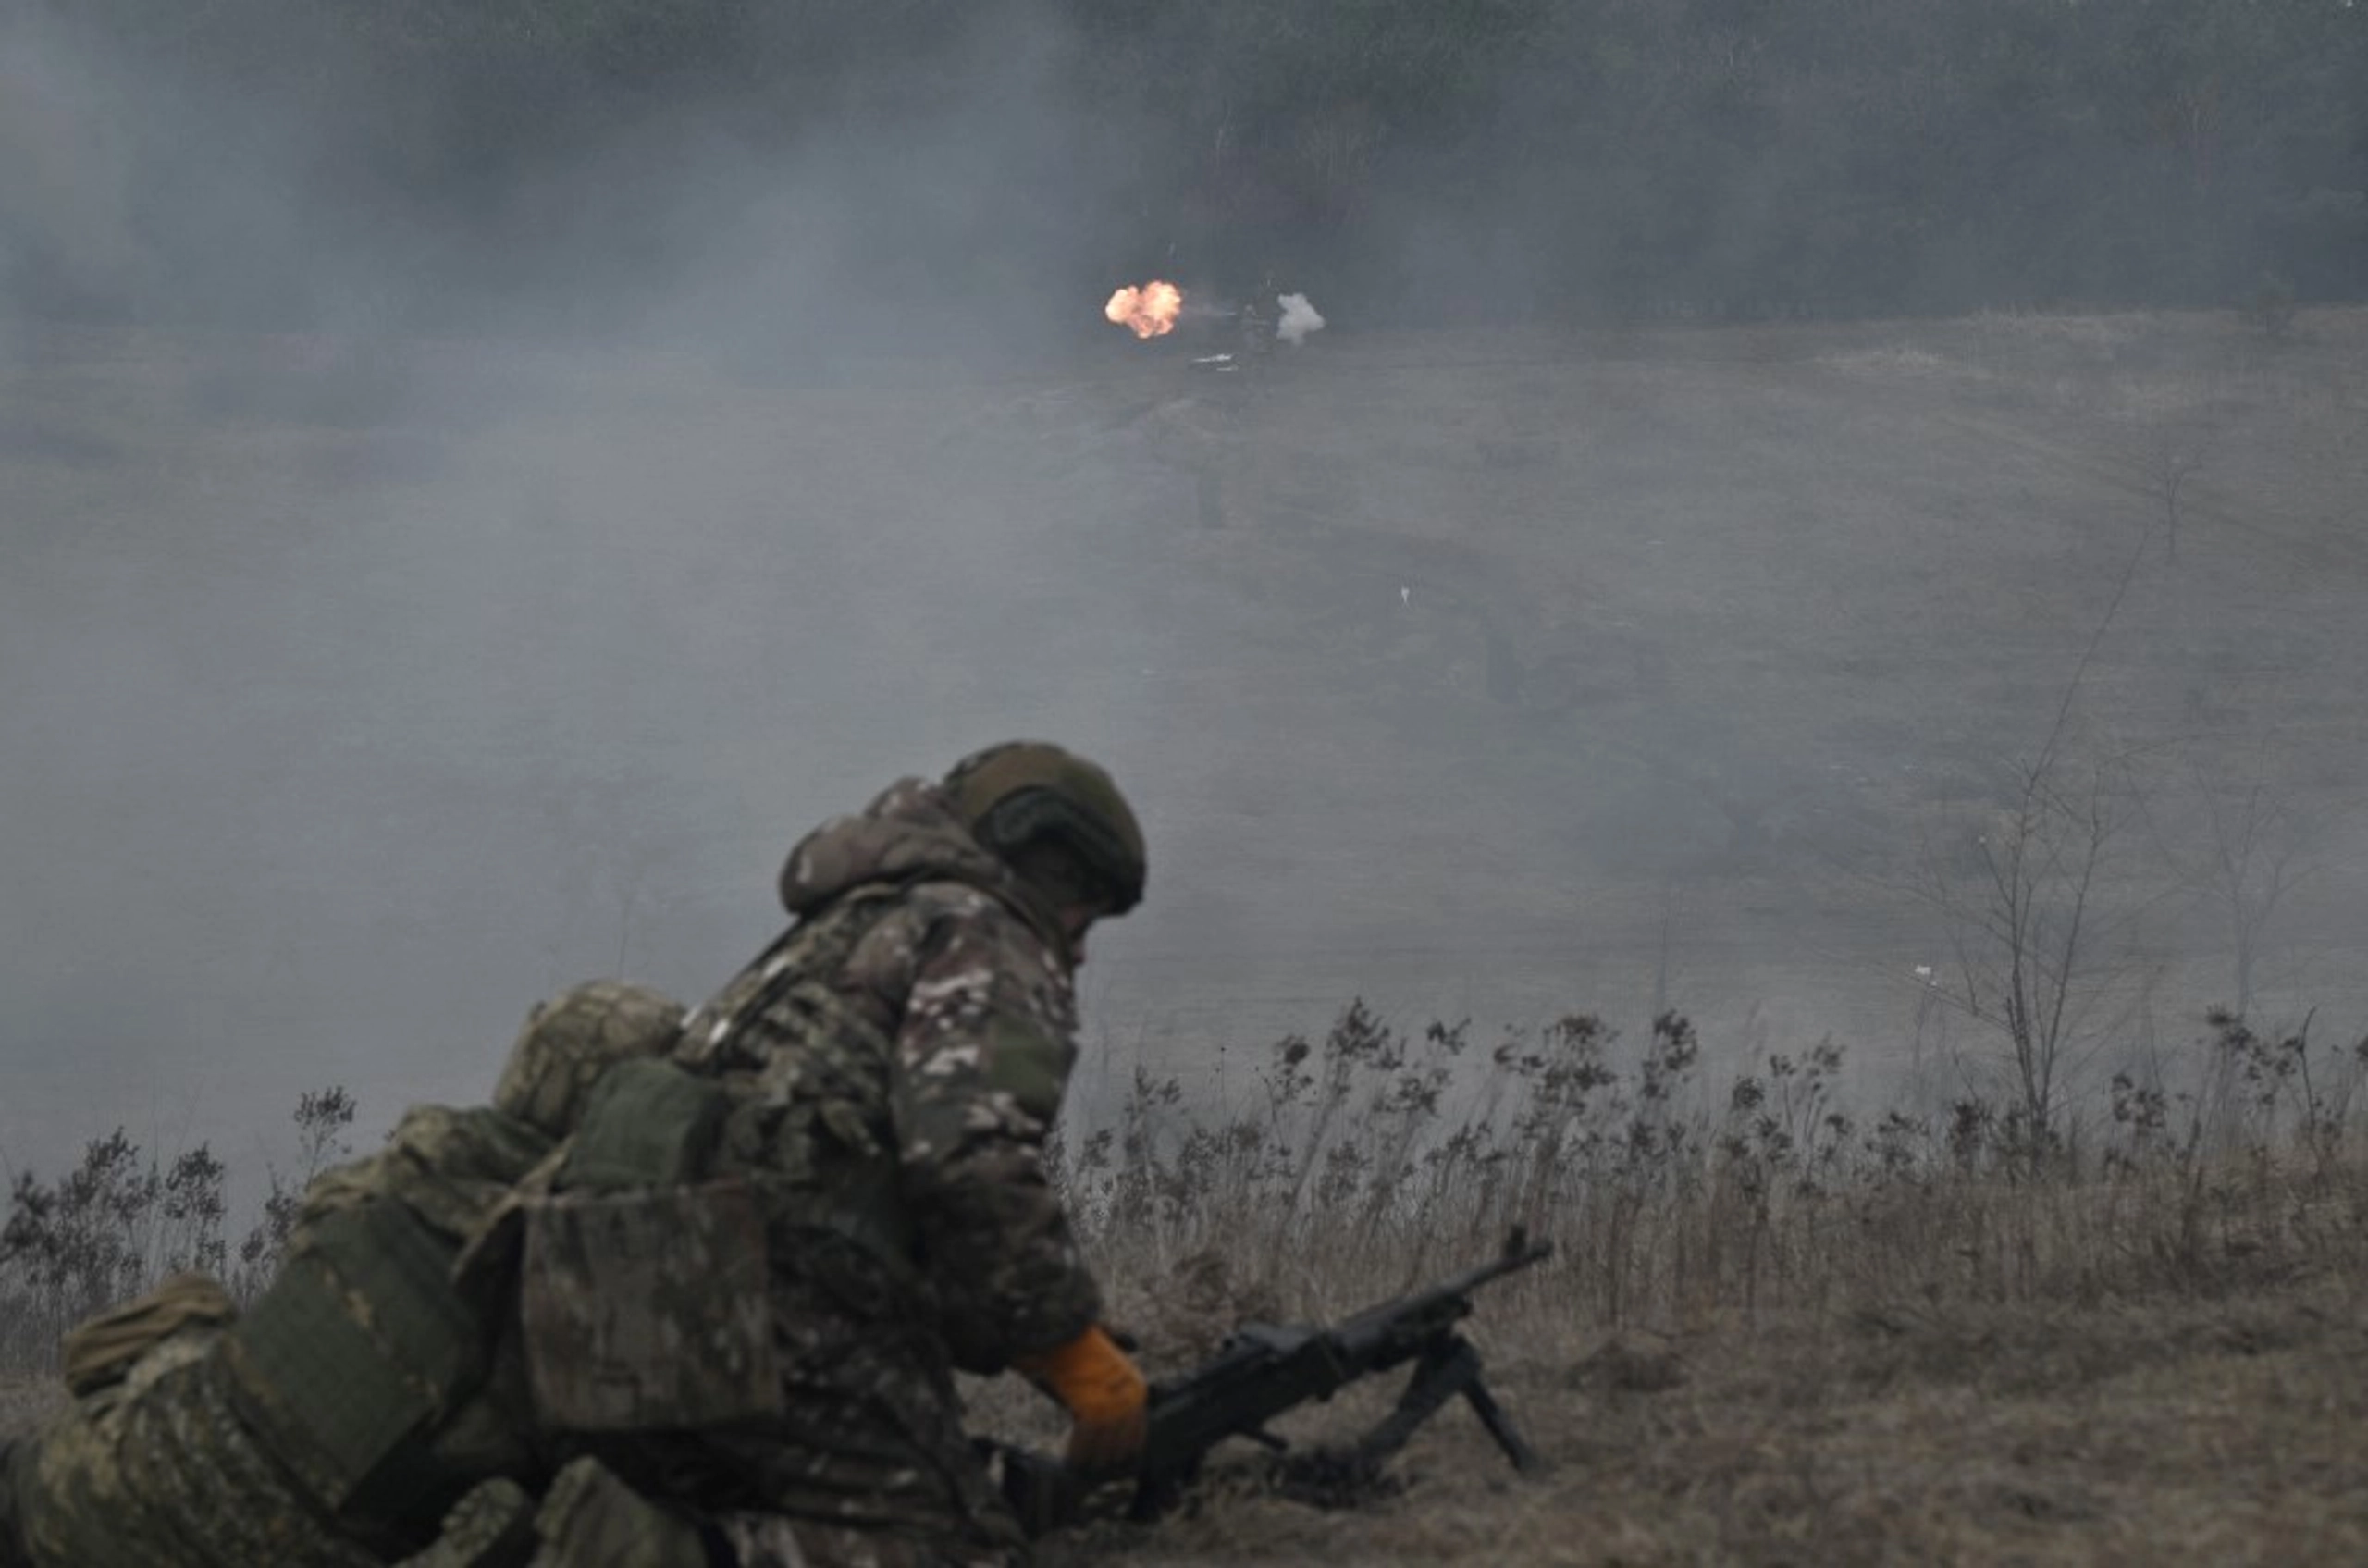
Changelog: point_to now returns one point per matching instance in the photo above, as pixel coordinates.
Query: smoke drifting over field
(421, 596)
(1299, 319)
(469, 512)
(778, 176)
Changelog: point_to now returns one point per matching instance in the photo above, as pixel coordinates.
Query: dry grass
(1863, 1349)
(2219, 1431)
(1771, 1333)
(1781, 1327)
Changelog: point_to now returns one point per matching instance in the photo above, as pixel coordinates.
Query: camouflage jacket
(898, 1056)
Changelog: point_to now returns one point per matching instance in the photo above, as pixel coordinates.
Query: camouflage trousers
(125, 1494)
(867, 1466)
(160, 1470)
(868, 1456)
(589, 1518)
(851, 1492)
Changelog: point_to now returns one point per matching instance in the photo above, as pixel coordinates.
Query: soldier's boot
(844, 1546)
(590, 1519)
(762, 1540)
(493, 1527)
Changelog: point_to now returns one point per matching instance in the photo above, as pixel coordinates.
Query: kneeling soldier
(864, 1110)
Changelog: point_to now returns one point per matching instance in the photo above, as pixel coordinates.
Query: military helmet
(1027, 792)
(570, 1041)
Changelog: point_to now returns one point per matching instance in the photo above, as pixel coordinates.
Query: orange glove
(1107, 1400)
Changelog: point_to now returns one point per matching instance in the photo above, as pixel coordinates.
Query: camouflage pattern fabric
(356, 1356)
(763, 1542)
(929, 1022)
(892, 1064)
(645, 1125)
(590, 1519)
(587, 1518)
(492, 1526)
(767, 1540)
(648, 1309)
(895, 1061)
(451, 1166)
(172, 1457)
(188, 1457)
(159, 1469)
(103, 1350)
(452, 1170)
(570, 1042)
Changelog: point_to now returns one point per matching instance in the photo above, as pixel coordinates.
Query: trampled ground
(2224, 1431)
(2221, 1431)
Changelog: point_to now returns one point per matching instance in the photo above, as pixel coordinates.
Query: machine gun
(1263, 1370)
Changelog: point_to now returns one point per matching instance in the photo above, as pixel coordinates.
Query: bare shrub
(121, 1220)
(1382, 1156)
(105, 1230)
(1375, 1157)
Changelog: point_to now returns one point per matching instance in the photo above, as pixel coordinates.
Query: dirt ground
(2225, 1432)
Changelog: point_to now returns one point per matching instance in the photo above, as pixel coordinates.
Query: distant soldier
(888, 1071)
(1254, 330)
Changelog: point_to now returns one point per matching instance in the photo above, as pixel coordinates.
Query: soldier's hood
(912, 833)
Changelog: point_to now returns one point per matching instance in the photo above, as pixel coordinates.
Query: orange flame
(1148, 312)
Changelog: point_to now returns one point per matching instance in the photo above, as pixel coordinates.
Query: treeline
(1438, 159)
(123, 1218)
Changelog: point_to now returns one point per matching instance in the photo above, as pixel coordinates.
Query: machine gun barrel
(1264, 1370)
(1411, 1320)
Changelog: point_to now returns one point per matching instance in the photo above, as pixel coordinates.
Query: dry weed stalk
(1376, 1158)
(1379, 1157)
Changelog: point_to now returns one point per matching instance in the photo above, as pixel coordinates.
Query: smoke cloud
(1299, 319)
(478, 492)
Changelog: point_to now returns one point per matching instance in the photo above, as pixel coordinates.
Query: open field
(552, 652)
(1775, 1334)
(1875, 1344)
(359, 693)
(2222, 1431)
